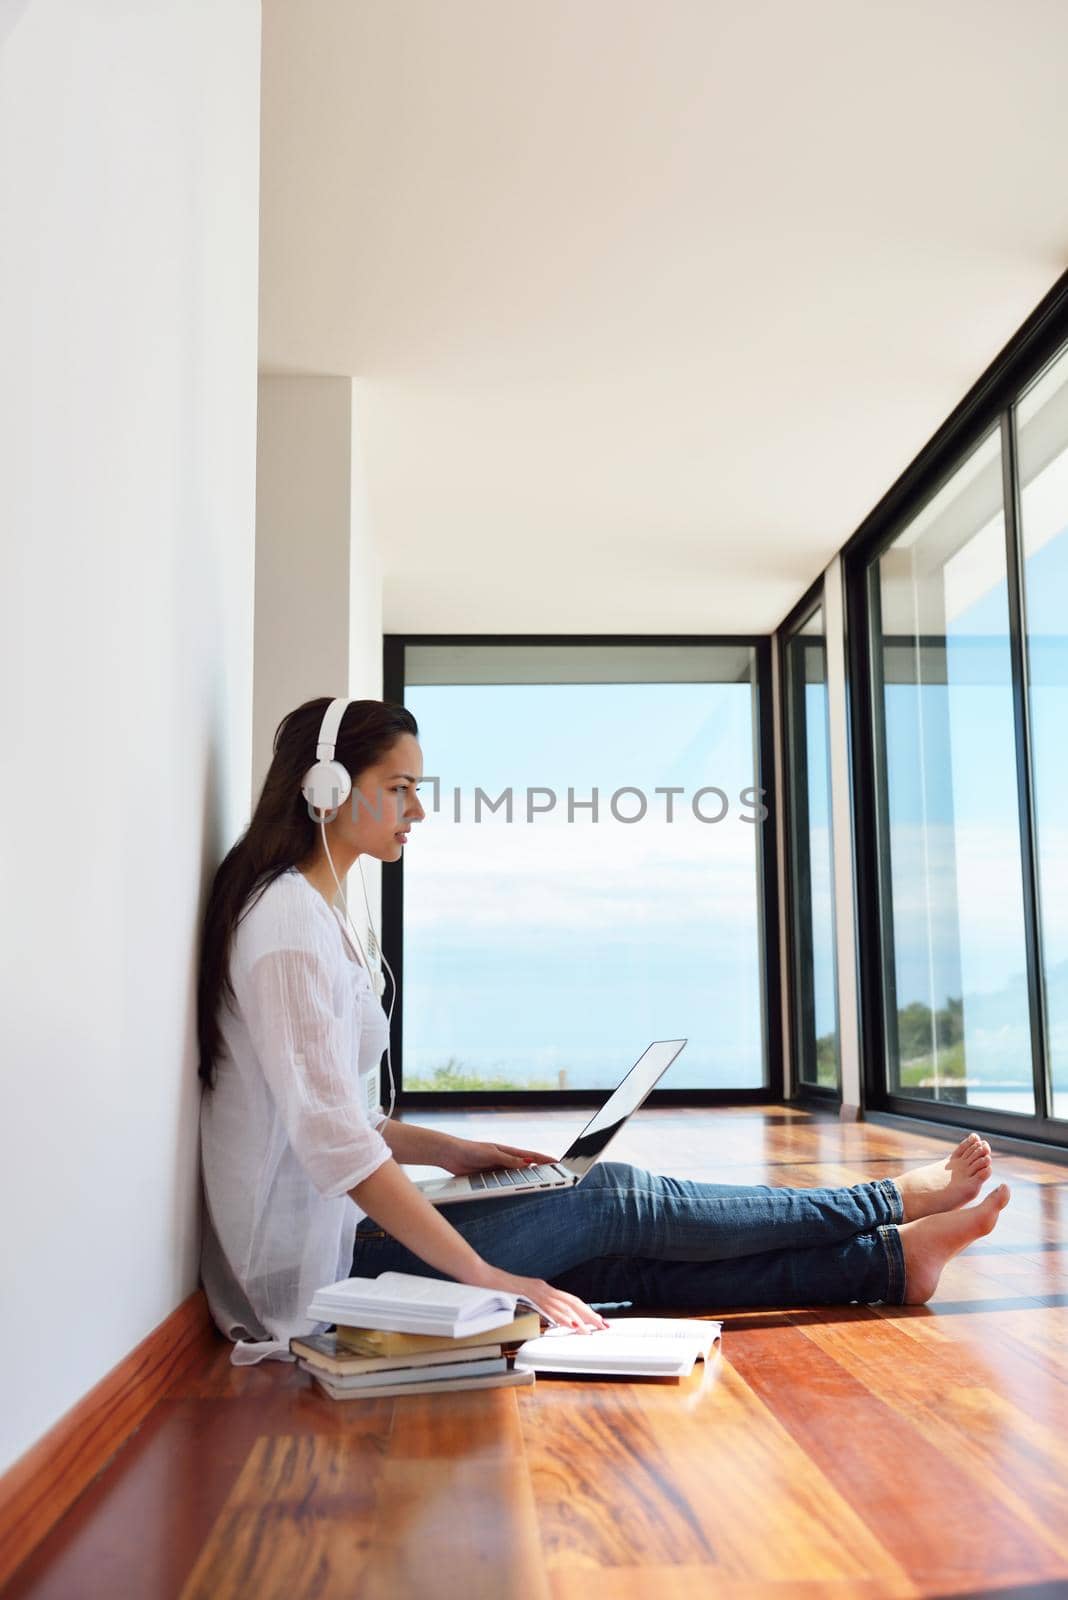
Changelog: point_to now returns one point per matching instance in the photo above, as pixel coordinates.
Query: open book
(639, 1347)
(412, 1304)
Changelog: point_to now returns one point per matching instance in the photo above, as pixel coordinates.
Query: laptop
(498, 1183)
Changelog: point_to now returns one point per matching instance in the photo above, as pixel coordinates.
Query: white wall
(303, 520)
(128, 286)
(318, 573)
(366, 609)
(365, 568)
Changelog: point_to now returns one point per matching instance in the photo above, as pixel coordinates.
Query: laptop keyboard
(514, 1177)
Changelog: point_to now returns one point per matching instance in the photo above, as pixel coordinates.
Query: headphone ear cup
(326, 786)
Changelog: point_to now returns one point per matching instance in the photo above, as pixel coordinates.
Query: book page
(650, 1345)
(706, 1333)
(604, 1352)
(408, 1289)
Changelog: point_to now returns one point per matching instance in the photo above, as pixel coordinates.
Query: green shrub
(452, 1078)
(950, 1067)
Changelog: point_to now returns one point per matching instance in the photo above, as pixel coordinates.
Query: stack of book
(403, 1334)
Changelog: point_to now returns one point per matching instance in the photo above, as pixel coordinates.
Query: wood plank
(324, 1516)
(658, 1474)
(455, 1531)
(1017, 1467)
(299, 1521)
(838, 1451)
(689, 1582)
(875, 1456)
(457, 1427)
(39, 1488)
(139, 1528)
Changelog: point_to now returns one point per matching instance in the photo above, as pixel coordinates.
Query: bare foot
(945, 1185)
(932, 1241)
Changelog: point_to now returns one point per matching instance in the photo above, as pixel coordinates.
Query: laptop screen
(621, 1104)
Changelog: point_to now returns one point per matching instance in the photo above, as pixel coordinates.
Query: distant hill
(983, 1037)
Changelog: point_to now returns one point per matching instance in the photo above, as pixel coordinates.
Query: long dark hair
(280, 835)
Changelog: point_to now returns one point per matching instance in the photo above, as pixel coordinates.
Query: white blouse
(285, 1132)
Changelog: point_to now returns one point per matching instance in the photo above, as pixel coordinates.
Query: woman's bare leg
(946, 1185)
(930, 1242)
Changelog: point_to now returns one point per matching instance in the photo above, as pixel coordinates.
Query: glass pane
(815, 996)
(544, 949)
(956, 978)
(1042, 421)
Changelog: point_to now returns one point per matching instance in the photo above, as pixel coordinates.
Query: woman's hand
(461, 1156)
(405, 1212)
(567, 1310)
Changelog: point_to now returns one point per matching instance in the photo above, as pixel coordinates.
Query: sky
(538, 947)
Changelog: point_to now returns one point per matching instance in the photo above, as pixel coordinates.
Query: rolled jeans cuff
(894, 1198)
(890, 1239)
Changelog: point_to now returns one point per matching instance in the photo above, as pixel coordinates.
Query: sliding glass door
(809, 855)
(950, 852)
(1042, 434)
(957, 614)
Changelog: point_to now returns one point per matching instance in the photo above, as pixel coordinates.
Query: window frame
(771, 1092)
(795, 894)
(989, 405)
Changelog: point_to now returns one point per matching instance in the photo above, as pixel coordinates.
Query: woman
(289, 1019)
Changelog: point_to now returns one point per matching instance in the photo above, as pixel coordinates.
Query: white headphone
(326, 786)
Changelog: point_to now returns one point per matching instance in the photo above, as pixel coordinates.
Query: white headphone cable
(374, 941)
(376, 946)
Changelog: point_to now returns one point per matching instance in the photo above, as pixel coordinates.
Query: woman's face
(383, 804)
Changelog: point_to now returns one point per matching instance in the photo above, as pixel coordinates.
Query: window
(1042, 434)
(956, 1013)
(956, 594)
(592, 876)
(813, 973)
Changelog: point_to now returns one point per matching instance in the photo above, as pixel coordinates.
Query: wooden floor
(840, 1452)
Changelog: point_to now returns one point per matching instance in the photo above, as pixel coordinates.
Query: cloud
(585, 874)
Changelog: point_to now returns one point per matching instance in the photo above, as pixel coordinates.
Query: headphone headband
(328, 732)
(326, 784)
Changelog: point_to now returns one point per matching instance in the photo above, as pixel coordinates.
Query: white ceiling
(653, 299)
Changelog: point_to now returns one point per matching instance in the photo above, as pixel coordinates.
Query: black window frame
(989, 405)
(770, 1093)
(796, 877)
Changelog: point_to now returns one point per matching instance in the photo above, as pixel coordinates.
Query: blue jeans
(628, 1235)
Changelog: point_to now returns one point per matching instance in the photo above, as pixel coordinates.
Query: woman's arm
(415, 1146)
(402, 1210)
(434, 1148)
